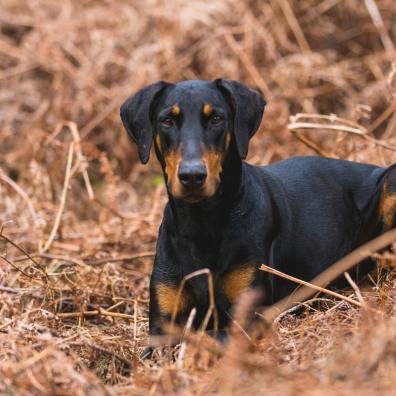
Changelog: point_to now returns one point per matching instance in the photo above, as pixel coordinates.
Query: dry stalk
(357, 290)
(294, 25)
(21, 192)
(212, 304)
(68, 175)
(320, 289)
(247, 63)
(186, 332)
(327, 276)
(379, 24)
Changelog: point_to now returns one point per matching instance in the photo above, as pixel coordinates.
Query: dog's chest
(232, 266)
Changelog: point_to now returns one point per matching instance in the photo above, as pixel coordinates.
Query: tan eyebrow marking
(207, 109)
(175, 110)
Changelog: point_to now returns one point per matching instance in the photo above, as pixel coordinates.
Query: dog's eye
(216, 120)
(167, 122)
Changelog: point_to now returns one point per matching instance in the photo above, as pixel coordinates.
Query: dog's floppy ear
(136, 117)
(248, 106)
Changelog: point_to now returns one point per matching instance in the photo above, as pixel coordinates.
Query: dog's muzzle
(192, 175)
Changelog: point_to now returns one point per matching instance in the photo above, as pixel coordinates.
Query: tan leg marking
(237, 281)
(387, 208)
(167, 298)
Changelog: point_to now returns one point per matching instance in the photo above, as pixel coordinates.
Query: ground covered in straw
(79, 216)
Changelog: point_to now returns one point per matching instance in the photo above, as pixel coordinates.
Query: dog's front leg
(167, 302)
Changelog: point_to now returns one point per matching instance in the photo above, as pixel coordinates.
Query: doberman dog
(299, 215)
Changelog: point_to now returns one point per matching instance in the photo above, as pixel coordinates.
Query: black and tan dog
(298, 216)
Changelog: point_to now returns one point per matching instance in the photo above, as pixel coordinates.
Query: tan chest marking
(167, 298)
(387, 208)
(237, 281)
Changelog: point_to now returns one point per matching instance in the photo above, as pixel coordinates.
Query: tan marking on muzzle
(158, 143)
(167, 298)
(213, 160)
(227, 142)
(237, 281)
(387, 208)
(172, 161)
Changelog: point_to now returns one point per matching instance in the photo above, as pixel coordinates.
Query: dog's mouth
(194, 195)
(193, 198)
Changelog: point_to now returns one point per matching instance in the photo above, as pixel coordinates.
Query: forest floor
(79, 215)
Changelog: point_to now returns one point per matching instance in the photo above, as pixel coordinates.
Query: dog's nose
(192, 174)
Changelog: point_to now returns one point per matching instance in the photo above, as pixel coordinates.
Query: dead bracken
(79, 215)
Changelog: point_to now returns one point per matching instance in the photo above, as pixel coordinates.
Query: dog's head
(193, 125)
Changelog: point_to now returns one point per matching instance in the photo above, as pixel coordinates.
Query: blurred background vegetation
(74, 196)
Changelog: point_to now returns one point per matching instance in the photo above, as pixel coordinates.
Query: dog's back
(327, 208)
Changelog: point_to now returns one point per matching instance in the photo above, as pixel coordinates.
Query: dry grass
(80, 216)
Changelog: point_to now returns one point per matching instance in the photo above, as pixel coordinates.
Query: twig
(331, 273)
(380, 143)
(53, 256)
(21, 192)
(294, 25)
(297, 306)
(310, 125)
(128, 364)
(81, 158)
(379, 24)
(312, 145)
(212, 306)
(388, 112)
(251, 69)
(328, 117)
(320, 289)
(63, 199)
(17, 268)
(22, 250)
(183, 347)
(34, 359)
(98, 118)
(97, 312)
(16, 70)
(126, 257)
(356, 289)
(349, 127)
